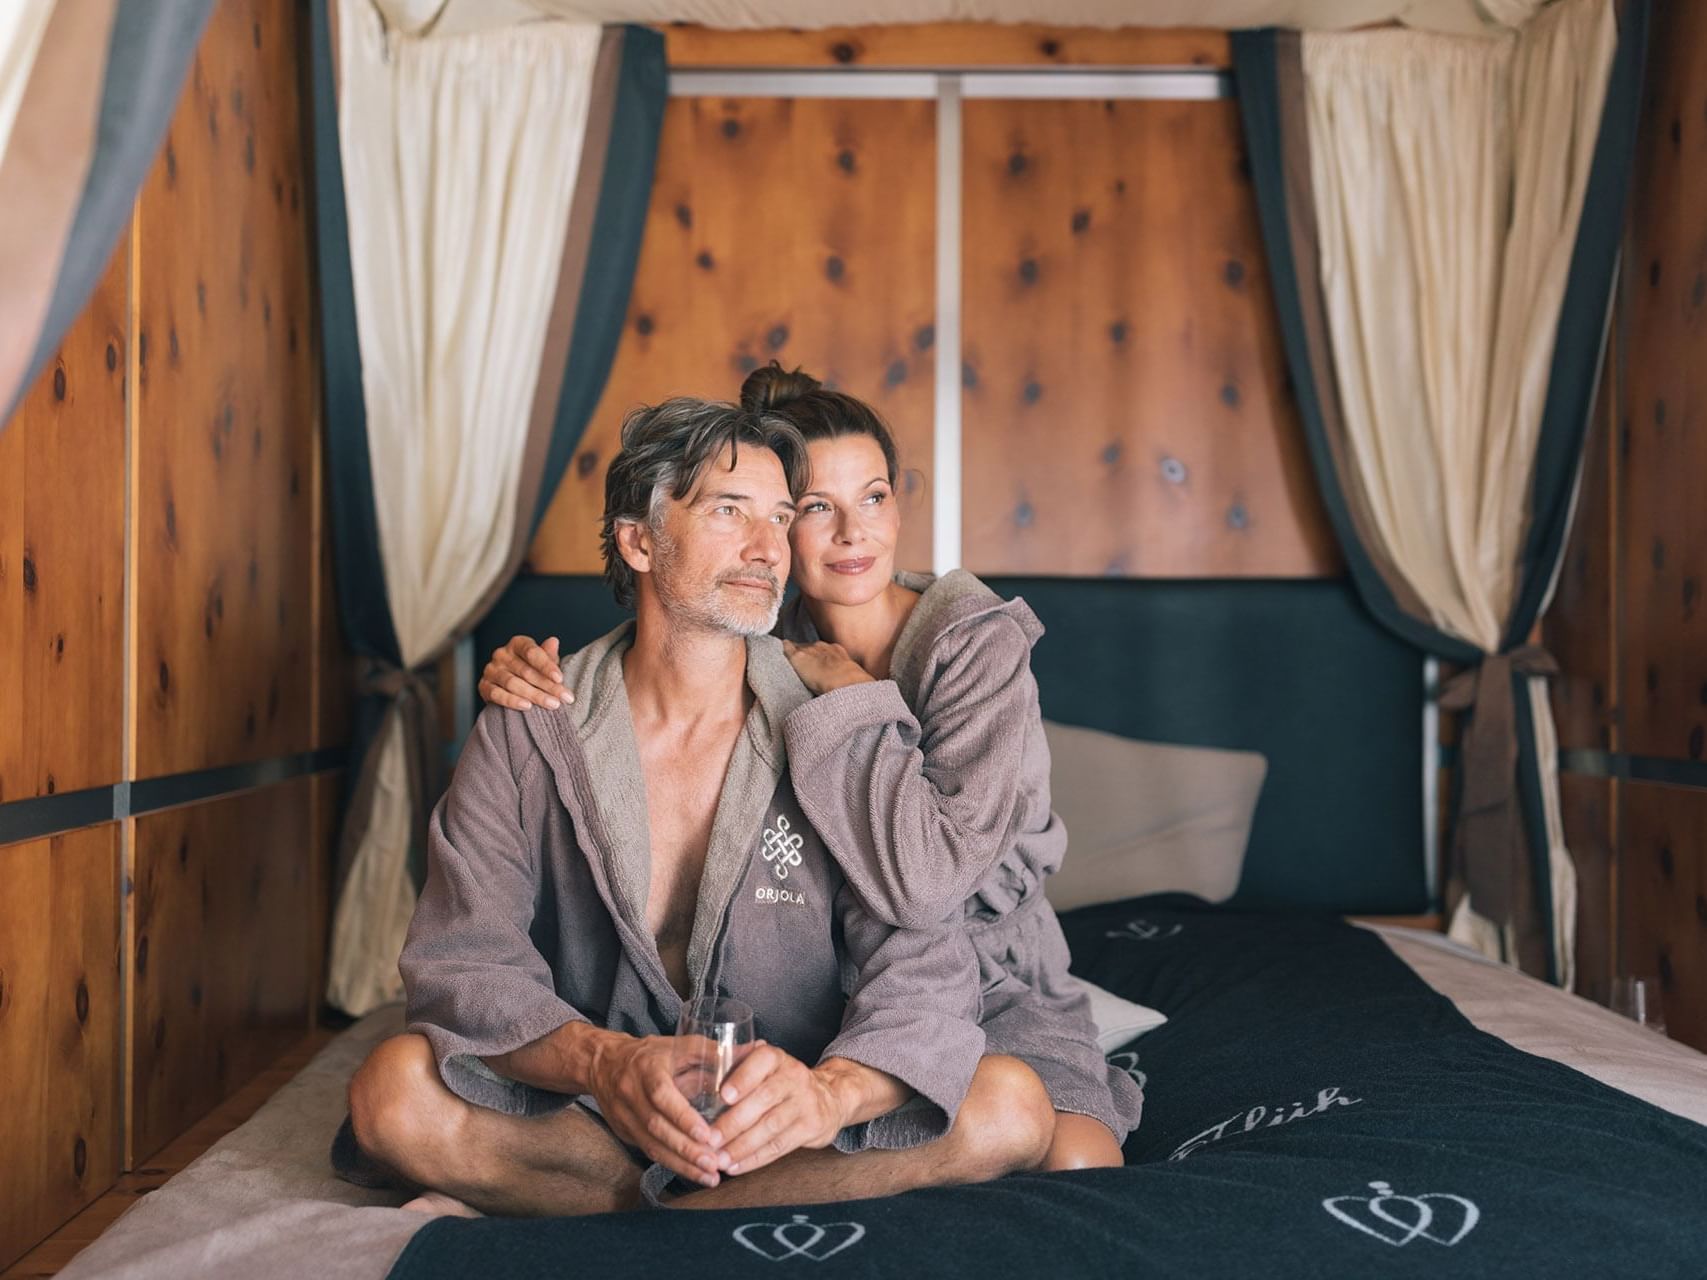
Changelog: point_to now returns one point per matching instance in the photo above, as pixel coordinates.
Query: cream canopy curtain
(1449, 176)
(446, 17)
(22, 25)
(87, 88)
(460, 160)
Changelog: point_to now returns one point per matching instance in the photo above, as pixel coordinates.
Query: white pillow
(1148, 817)
(1118, 1020)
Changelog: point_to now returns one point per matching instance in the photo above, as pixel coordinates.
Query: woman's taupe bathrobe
(534, 910)
(931, 789)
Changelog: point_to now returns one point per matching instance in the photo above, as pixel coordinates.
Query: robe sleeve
(912, 1012)
(916, 816)
(477, 985)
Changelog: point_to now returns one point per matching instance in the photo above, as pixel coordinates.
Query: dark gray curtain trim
(1534, 808)
(1579, 348)
(42, 816)
(149, 51)
(362, 600)
(1594, 763)
(1256, 77)
(625, 192)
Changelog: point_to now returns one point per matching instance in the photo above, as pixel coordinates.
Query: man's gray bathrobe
(533, 913)
(931, 789)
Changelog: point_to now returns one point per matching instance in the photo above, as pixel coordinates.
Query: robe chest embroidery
(782, 846)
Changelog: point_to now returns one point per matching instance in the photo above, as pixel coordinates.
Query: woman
(925, 703)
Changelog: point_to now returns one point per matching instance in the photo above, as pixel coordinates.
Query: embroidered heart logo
(799, 1238)
(1128, 1062)
(1398, 1220)
(1141, 930)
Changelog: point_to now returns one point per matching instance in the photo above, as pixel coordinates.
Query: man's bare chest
(684, 781)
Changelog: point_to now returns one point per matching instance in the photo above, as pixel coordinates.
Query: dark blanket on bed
(1312, 1109)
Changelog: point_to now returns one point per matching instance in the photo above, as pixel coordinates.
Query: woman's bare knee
(1007, 1121)
(399, 1107)
(1081, 1143)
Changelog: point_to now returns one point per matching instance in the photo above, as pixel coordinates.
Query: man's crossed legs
(569, 1163)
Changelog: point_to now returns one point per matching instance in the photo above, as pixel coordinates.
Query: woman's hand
(523, 674)
(823, 666)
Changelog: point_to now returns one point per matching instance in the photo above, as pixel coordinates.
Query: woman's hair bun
(772, 386)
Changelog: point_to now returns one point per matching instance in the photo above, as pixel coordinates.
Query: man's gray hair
(665, 449)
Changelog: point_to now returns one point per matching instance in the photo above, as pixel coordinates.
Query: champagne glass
(712, 1035)
(1639, 1000)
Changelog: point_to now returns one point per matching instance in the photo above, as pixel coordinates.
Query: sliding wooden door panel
(221, 950)
(1586, 809)
(1662, 899)
(60, 1017)
(1663, 437)
(1124, 392)
(227, 406)
(62, 477)
(795, 230)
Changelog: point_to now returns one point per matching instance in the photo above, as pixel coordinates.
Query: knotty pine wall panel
(62, 480)
(1579, 630)
(796, 230)
(1124, 400)
(221, 950)
(1663, 563)
(227, 405)
(1588, 809)
(1579, 627)
(1663, 900)
(948, 44)
(60, 1122)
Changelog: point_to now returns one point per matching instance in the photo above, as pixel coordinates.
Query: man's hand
(524, 674)
(633, 1082)
(824, 666)
(777, 1104)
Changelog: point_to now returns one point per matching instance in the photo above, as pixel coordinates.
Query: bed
(1324, 1100)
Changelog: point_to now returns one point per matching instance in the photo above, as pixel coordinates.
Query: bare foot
(438, 1205)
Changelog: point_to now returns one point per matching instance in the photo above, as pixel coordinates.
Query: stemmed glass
(712, 1035)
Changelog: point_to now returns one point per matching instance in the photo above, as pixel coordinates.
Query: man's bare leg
(1081, 1143)
(1004, 1126)
(437, 1204)
(405, 1117)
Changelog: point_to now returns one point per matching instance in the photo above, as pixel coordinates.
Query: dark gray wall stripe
(150, 48)
(1616, 764)
(49, 815)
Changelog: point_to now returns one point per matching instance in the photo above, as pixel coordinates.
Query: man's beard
(711, 609)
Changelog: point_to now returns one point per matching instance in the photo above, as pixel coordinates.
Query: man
(593, 866)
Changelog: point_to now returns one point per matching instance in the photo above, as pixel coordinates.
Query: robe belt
(1490, 839)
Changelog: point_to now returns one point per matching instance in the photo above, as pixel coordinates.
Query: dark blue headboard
(1297, 670)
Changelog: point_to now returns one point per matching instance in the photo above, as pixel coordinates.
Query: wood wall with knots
(1124, 402)
(166, 609)
(1630, 622)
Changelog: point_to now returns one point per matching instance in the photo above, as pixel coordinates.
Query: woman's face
(847, 523)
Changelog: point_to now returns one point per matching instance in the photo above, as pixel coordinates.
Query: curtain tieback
(376, 677)
(414, 692)
(1490, 821)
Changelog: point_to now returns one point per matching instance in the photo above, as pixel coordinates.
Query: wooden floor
(57, 1250)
